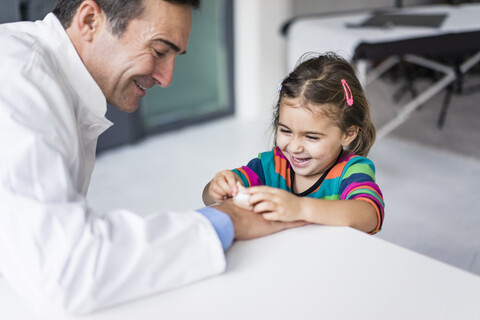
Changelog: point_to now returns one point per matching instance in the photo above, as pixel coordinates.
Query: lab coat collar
(77, 74)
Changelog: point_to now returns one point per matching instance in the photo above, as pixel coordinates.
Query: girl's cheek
(281, 142)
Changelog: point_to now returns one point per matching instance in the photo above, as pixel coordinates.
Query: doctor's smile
(144, 89)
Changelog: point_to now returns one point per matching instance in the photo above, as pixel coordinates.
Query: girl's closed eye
(313, 138)
(285, 131)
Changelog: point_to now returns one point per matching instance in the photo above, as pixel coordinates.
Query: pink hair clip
(348, 93)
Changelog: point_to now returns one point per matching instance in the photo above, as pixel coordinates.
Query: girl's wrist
(309, 209)
(304, 212)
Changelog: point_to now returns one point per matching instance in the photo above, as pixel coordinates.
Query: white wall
(260, 61)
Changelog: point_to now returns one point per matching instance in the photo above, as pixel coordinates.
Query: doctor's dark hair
(119, 12)
(319, 84)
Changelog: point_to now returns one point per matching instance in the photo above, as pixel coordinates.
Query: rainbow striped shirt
(352, 177)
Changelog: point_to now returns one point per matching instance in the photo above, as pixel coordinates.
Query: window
(202, 85)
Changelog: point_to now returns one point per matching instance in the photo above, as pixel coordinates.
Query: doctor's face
(144, 55)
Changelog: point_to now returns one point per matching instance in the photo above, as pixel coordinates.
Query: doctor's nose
(163, 72)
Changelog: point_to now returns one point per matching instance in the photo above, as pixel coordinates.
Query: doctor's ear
(88, 19)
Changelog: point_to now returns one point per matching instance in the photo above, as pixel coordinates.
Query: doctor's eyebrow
(171, 45)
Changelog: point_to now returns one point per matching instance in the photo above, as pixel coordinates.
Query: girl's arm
(357, 214)
(277, 204)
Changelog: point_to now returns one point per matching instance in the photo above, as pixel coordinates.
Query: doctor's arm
(57, 251)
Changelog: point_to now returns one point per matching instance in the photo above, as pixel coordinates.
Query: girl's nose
(295, 145)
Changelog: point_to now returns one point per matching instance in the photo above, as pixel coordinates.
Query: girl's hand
(275, 204)
(223, 186)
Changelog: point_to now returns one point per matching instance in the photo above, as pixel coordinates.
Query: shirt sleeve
(252, 174)
(222, 223)
(358, 183)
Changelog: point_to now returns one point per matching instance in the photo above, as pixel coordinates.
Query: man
(55, 78)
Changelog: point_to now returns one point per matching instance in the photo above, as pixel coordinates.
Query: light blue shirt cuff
(222, 223)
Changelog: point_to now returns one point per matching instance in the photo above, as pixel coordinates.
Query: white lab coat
(54, 249)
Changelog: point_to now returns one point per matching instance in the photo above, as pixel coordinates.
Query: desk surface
(311, 272)
(330, 33)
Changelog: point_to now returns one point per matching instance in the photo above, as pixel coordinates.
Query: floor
(429, 187)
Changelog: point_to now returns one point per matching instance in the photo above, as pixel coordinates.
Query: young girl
(318, 171)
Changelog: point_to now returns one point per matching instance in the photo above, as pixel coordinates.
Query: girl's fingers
(232, 184)
(217, 196)
(261, 189)
(224, 187)
(264, 207)
(218, 192)
(240, 187)
(227, 182)
(260, 197)
(270, 216)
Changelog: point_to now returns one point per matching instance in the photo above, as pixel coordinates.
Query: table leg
(450, 76)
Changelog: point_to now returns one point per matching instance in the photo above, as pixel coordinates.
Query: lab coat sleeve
(84, 262)
(62, 255)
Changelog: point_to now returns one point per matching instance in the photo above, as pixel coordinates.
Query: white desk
(459, 33)
(312, 272)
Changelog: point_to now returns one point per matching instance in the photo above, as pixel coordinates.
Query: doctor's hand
(250, 225)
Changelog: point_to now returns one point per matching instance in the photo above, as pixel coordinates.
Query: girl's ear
(349, 135)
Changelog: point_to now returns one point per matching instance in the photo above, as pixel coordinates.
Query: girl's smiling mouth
(300, 162)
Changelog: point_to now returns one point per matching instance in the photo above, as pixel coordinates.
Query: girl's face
(311, 142)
